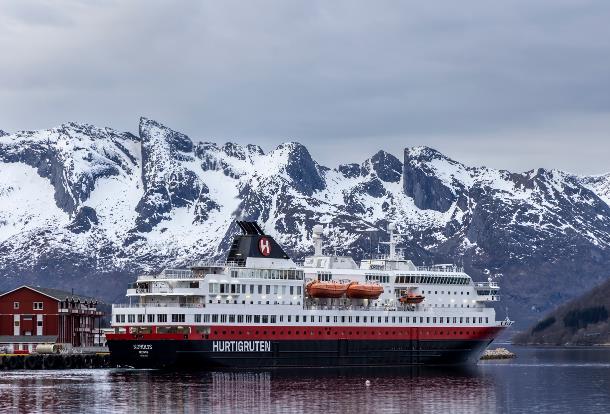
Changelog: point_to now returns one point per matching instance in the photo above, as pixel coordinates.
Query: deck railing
(158, 305)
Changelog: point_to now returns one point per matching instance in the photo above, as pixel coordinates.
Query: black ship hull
(211, 354)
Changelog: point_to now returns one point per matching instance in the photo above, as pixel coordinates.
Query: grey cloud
(494, 82)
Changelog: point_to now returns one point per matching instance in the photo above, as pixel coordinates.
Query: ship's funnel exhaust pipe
(318, 230)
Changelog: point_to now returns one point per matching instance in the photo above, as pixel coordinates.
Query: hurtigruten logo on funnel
(264, 246)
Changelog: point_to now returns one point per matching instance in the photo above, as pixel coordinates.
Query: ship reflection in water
(229, 392)
(539, 380)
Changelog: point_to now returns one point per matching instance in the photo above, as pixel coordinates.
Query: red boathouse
(43, 315)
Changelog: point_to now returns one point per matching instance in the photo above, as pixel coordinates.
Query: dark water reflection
(540, 380)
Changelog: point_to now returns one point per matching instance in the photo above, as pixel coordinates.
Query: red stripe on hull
(318, 333)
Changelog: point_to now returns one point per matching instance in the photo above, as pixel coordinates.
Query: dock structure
(54, 361)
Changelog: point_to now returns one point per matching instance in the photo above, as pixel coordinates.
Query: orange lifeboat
(412, 299)
(317, 289)
(356, 290)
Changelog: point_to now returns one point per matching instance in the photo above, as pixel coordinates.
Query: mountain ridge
(106, 205)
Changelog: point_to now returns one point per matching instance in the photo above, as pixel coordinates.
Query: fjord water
(540, 380)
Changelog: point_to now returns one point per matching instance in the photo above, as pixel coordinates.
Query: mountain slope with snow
(91, 207)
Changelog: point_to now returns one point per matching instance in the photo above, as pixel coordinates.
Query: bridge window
(131, 318)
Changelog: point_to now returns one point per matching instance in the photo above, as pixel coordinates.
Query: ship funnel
(318, 230)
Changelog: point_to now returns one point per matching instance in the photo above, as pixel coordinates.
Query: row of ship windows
(258, 319)
(231, 288)
(282, 274)
(435, 280)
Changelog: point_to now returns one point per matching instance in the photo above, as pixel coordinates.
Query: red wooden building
(32, 311)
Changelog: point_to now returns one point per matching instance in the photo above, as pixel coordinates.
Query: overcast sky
(507, 84)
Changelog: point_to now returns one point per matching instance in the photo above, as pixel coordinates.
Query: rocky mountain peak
(155, 133)
(599, 184)
(423, 153)
(425, 173)
(295, 160)
(387, 167)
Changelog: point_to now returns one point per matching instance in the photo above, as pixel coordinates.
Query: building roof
(27, 339)
(57, 294)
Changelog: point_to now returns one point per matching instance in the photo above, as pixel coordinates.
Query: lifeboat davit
(357, 290)
(317, 289)
(412, 299)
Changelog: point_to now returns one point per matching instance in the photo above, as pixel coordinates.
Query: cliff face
(89, 207)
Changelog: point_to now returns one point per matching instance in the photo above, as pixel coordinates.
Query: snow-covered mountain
(88, 208)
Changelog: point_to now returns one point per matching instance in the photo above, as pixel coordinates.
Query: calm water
(539, 380)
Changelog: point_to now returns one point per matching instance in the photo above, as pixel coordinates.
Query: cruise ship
(259, 310)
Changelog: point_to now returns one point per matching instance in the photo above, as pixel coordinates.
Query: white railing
(441, 269)
(487, 285)
(158, 305)
(162, 276)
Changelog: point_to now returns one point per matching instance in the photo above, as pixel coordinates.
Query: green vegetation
(580, 318)
(543, 324)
